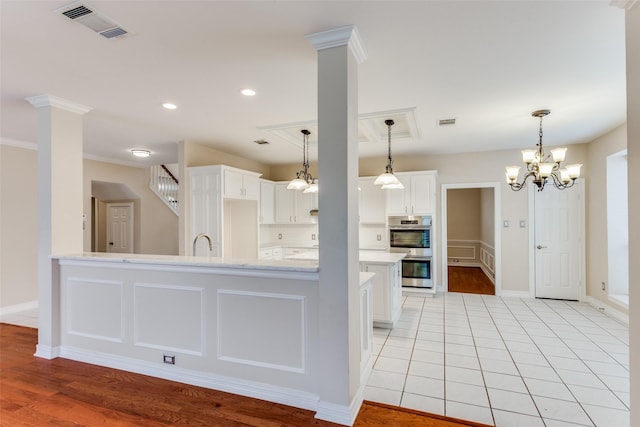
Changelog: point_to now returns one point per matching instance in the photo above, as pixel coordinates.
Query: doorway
(471, 243)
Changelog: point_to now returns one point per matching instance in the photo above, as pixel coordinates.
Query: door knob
(540, 247)
(110, 243)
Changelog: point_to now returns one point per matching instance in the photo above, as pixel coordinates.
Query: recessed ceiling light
(248, 92)
(141, 153)
(169, 106)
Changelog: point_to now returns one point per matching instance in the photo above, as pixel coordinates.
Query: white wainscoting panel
(262, 329)
(169, 317)
(95, 308)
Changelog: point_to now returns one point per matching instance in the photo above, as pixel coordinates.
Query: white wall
(596, 215)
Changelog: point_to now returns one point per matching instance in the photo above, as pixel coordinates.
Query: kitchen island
(386, 284)
(248, 327)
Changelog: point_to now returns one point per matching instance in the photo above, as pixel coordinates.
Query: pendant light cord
(389, 168)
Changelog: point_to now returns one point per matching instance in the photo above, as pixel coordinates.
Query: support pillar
(339, 52)
(60, 205)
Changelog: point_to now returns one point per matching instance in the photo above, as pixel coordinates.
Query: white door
(558, 231)
(120, 228)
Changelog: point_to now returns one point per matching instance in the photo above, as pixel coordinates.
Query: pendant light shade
(388, 180)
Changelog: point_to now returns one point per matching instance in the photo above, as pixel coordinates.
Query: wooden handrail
(170, 174)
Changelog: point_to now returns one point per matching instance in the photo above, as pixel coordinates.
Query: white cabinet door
(380, 291)
(239, 185)
(233, 184)
(422, 193)
(251, 186)
(418, 196)
(206, 212)
(293, 206)
(283, 204)
(398, 200)
(267, 202)
(304, 203)
(372, 202)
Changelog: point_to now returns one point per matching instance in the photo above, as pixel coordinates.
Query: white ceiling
(488, 64)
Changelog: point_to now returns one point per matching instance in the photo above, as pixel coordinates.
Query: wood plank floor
(60, 392)
(471, 280)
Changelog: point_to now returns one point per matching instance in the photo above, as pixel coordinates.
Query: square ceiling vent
(87, 16)
(371, 128)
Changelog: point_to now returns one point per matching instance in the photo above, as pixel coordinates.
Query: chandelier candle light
(304, 180)
(540, 167)
(388, 180)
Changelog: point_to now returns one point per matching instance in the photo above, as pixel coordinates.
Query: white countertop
(374, 257)
(196, 261)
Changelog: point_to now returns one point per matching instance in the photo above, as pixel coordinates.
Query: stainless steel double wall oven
(412, 235)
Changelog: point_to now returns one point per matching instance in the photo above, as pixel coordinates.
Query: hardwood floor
(60, 392)
(471, 280)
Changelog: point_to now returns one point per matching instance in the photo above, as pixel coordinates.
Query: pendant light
(388, 180)
(303, 179)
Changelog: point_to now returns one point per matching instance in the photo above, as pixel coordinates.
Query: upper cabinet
(294, 206)
(241, 184)
(371, 202)
(418, 196)
(267, 202)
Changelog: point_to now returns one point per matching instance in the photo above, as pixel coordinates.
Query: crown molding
(343, 36)
(46, 100)
(19, 144)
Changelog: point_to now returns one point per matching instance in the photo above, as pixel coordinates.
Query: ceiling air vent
(446, 122)
(96, 22)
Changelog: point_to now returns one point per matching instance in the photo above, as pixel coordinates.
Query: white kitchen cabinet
(387, 292)
(372, 202)
(206, 210)
(294, 206)
(418, 196)
(267, 202)
(366, 327)
(240, 184)
(224, 205)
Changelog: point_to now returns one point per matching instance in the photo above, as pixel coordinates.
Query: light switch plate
(505, 224)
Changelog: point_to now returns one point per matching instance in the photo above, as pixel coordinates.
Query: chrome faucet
(206, 236)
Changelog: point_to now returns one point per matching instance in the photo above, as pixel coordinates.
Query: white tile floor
(501, 361)
(505, 361)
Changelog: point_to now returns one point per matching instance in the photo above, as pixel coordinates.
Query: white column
(632, 18)
(339, 52)
(60, 205)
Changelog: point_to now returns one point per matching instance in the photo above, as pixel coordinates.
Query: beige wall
(632, 24)
(18, 226)
(487, 223)
(156, 226)
(463, 214)
(596, 215)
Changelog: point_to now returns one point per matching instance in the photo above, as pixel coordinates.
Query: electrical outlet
(313, 236)
(522, 224)
(169, 359)
(379, 237)
(505, 224)
(604, 287)
(279, 236)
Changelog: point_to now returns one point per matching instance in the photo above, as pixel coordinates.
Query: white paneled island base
(248, 327)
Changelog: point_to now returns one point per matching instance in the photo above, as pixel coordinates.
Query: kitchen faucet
(206, 236)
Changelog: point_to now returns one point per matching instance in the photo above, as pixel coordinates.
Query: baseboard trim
(17, 308)
(340, 414)
(47, 352)
(253, 389)
(607, 309)
(514, 294)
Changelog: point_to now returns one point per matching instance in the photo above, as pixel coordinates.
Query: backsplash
(307, 235)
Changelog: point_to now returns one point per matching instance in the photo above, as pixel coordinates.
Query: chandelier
(542, 168)
(304, 180)
(388, 180)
